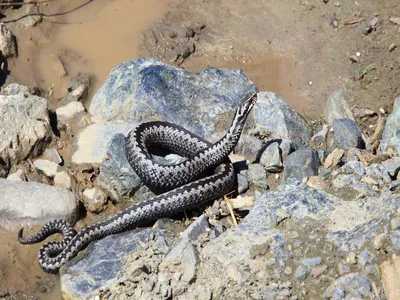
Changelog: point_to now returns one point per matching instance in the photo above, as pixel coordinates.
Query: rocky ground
(317, 210)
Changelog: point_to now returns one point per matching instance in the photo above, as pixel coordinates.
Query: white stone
(18, 175)
(62, 179)
(47, 167)
(8, 44)
(94, 199)
(73, 111)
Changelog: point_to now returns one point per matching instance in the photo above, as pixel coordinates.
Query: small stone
(395, 20)
(271, 158)
(348, 285)
(311, 262)
(334, 158)
(18, 175)
(302, 164)
(365, 257)
(258, 175)
(318, 270)
(94, 199)
(52, 155)
(347, 134)
(320, 137)
(73, 111)
(288, 271)
(352, 258)
(58, 67)
(379, 240)
(337, 4)
(343, 268)
(395, 223)
(392, 46)
(301, 273)
(62, 179)
(136, 269)
(8, 43)
(196, 229)
(392, 166)
(243, 183)
(48, 168)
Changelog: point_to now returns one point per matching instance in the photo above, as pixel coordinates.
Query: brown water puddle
(91, 39)
(20, 271)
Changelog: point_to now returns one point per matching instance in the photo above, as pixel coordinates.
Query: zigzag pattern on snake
(186, 187)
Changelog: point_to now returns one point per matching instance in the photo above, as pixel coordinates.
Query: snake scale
(182, 184)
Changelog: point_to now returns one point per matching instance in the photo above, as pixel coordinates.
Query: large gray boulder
(25, 129)
(101, 264)
(278, 120)
(31, 203)
(147, 89)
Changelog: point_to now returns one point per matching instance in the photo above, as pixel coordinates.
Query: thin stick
(25, 3)
(50, 15)
(230, 208)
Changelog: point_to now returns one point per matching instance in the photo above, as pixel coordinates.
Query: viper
(182, 184)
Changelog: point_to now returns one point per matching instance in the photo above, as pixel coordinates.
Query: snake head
(245, 107)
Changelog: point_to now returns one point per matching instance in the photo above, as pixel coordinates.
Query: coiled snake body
(186, 190)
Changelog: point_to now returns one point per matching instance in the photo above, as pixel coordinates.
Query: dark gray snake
(183, 183)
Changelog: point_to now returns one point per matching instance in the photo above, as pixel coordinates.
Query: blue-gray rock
(271, 158)
(378, 172)
(148, 89)
(116, 176)
(396, 103)
(392, 166)
(322, 155)
(26, 203)
(394, 184)
(275, 117)
(250, 147)
(243, 183)
(258, 176)
(353, 167)
(351, 181)
(196, 229)
(391, 133)
(101, 263)
(301, 273)
(337, 108)
(311, 262)
(301, 164)
(365, 257)
(286, 146)
(343, 268)
(395, 238)
(353, 284)
(347, 134)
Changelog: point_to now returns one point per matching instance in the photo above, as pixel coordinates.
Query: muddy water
(91, 39)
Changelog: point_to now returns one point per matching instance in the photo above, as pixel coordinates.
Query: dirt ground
(302, 50)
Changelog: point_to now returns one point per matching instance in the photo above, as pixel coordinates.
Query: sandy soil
(284, 46)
